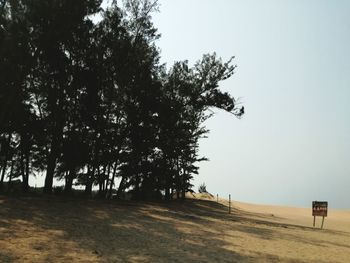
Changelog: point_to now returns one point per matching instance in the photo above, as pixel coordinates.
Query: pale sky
(293, 77)
(293, 144)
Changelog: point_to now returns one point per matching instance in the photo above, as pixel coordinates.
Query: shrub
(202, 188)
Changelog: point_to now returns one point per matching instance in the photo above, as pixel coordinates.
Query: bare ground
(197, 230)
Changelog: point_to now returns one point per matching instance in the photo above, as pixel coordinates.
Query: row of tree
(84, 98)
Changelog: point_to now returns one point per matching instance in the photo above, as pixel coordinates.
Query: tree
(202, 188)
(89, 102)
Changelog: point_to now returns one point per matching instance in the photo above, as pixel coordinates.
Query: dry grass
(63, 230)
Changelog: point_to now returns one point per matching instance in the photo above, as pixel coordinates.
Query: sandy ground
(198, 230)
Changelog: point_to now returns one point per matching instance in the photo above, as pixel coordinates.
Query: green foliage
(88, 102)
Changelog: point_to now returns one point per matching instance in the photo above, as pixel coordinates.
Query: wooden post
(229, 204)
(217, 198)
(319, 208)
(322, 222)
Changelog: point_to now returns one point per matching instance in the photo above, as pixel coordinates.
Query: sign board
(319, 208)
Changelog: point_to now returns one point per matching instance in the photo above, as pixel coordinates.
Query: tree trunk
(183, 185)
(3, 174)
(183, 196)
(10, 177)
(51, 166)
(105, 183)
(167, 186)
(167, 193)
(69, 182)
(121, 187)
(88, 189)
(88, 186)
(101, 181)
(25, 183)
(112, 181)
(5, 162)
(100, 189)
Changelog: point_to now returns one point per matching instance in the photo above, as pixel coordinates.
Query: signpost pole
(319, 208)
(229, 204)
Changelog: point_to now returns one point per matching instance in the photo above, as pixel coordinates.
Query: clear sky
(293, 77)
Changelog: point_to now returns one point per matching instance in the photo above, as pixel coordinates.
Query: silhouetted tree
(88, 101)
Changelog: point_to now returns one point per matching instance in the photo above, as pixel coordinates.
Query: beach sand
(197, 230)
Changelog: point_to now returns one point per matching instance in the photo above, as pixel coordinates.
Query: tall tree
(88, 101)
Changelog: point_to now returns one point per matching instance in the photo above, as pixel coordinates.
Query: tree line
(85, 99)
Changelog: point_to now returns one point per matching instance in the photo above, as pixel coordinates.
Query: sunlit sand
(197, 230)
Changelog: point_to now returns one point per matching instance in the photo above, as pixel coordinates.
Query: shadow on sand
(114, 231)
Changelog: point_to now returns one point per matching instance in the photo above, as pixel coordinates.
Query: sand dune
(336, 219)
(198, 230)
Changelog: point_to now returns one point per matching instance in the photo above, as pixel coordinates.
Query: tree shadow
(61, 229)
(6, 258)
(108, 231)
